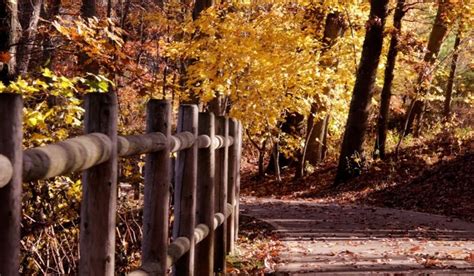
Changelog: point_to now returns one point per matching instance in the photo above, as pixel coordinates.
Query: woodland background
(395, 76)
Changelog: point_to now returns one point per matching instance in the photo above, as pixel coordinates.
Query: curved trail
(350, 239)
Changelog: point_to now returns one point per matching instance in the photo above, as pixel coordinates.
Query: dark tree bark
(8, 36)
(293, 126)
(47, 41)
(388, 79)
(317, 128)
(30, 15)
(89, 8)
(199, 6)
(452, 75)
(437, 36)
(357, 120)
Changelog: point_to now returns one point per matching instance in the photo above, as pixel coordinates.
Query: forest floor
(412, 211)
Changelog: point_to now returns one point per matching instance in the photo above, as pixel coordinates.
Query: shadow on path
(330, 238)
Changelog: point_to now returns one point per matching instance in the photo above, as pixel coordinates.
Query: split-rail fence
(206, 185)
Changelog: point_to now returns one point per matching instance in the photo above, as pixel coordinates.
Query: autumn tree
(351, 157)
(317, 127)
(437, 36)
(388, 80)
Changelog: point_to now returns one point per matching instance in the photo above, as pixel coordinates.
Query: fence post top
(160, 101)
(193, 106)
(207, 114)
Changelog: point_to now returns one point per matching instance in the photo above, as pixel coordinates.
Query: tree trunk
(217, 105)
(437, 35)
(452, 74)
(316, 128)
(199, 6)
(357, 120)
(387, 85)
(47, 40)
(293, 126)
(8, 36)
(316, 138)
(89, 8)
(30, 15)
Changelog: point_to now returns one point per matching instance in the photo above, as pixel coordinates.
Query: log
(221, 141)
(71, 155)
(6, 171)
(11, 107)
(157, 188)
(222, 129)
(181, 141)
(99, 191)
(204, 141)
(205, 194)
(185, 188)
(82, 152)
(175, 251)
(219, 218)
(141, 144)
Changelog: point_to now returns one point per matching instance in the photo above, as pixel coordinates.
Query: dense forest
(331, 94)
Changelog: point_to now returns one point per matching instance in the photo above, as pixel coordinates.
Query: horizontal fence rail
(6, 169)
(206, 185)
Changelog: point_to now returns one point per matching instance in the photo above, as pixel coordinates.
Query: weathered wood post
(99, 191)
(157, 188)
(205, 197)
(222, 128)
(11, 107)
(231, 179)
(238, 140)
(185, 189)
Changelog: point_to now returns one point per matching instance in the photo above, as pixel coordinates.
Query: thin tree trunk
(316, 128)
(199, 6)
(47, 40)
(357, 120)
(89, 8)
(437, 35)
(388, 80)
(276, 153)
(30, 18)
(293, 126)
(452, 75)
(9, 28)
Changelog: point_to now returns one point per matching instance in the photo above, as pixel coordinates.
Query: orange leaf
(5, 57)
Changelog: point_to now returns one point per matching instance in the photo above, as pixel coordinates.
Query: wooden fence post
(99, 191)
(205, 197)
(238, 140)
(222, 128)
(11, 138)
(185, 189)
(232, 176)
(157, 188)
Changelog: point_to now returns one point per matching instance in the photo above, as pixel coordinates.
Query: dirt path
(334, 239)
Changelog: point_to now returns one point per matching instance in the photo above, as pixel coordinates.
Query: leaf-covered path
(345, 239)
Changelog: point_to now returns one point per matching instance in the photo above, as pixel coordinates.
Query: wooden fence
(206, 185)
